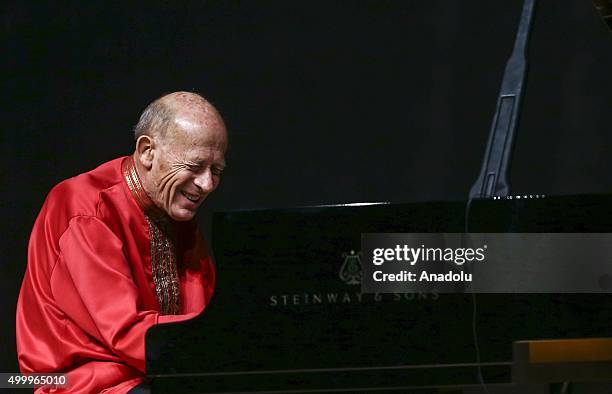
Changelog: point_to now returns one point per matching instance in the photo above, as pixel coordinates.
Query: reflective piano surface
(283, 318)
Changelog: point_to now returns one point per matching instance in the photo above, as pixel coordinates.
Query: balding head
(180, 146)
(164, 116)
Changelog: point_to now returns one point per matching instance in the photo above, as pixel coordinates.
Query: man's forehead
(197, 150)
(191, 122)
(210, 155)
(202, 137)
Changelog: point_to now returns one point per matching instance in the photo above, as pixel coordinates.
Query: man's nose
(205, 181)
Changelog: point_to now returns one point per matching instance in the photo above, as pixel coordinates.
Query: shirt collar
(131, 178)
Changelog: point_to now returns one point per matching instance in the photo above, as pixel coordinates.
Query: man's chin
(182, 214)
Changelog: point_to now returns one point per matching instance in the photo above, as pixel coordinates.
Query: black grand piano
(288, 315)
(284, 320)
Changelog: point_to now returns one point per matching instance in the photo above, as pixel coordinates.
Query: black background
(326, 102)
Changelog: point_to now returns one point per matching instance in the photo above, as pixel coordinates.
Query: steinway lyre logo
(350, 272)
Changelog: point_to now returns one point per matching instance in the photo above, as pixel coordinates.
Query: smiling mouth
(191, 197)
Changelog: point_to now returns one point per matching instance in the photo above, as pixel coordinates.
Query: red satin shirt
(88, 295)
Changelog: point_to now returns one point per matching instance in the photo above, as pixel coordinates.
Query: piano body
(283, 320)
(288, 315)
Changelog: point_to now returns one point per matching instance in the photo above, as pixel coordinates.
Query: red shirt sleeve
(92, 265)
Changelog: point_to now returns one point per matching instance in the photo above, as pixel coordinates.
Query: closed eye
(194, 168)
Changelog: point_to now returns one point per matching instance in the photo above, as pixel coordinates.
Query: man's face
(187, 167)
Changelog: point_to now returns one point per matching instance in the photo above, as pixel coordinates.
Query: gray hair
(155, 120)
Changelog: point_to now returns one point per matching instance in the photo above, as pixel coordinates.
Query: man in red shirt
(116, 250)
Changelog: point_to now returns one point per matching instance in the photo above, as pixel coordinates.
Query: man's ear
(145, 150)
